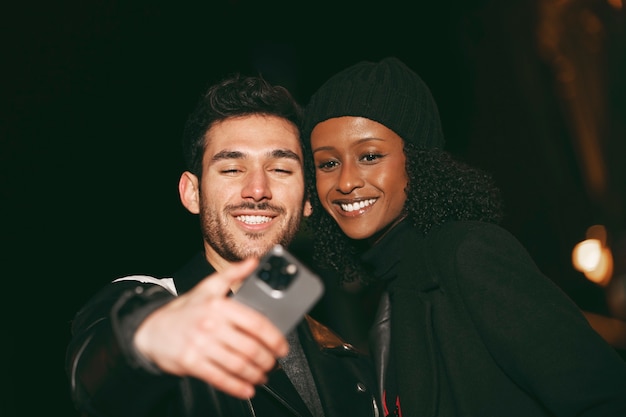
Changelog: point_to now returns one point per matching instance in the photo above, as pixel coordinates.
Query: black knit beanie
(387, 92)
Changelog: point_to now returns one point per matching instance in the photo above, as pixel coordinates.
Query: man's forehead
(253, 136)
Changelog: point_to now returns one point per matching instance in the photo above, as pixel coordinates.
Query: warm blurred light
(615, 3)
(586, 255)
(602, 273)
(597, 231)
(616, 296)
(593, 258)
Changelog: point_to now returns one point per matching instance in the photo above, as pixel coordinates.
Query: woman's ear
(189, 192)
(308, 208)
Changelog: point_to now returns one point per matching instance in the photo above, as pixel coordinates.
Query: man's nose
(257, 186)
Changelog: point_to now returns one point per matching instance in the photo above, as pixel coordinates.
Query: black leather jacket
(108, 378)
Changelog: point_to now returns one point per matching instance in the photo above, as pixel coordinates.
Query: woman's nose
(349, 178)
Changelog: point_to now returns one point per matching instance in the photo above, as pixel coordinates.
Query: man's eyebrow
(284, 153)
(226, 154)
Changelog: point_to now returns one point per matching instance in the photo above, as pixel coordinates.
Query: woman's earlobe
(308, 209)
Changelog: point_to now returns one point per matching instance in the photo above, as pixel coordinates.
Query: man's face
(251, 193)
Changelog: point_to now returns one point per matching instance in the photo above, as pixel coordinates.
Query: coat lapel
(413, 338)
(412, 343)
(280, 388)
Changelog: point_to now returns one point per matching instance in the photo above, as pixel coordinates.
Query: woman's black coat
(478, 331)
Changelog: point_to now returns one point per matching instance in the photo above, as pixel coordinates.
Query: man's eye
(282, 171)
(230, 171)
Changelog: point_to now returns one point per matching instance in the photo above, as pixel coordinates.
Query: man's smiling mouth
(254, 219)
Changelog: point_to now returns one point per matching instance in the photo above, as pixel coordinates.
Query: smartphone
(281, 288)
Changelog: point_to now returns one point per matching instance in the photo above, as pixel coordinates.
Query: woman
(467, 324)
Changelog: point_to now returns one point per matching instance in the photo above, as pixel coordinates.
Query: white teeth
(254, 219)
(358, 205)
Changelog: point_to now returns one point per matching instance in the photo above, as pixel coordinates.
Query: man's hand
(206, 335)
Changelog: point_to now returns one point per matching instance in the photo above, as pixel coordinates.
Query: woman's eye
(370, 157)
(327, 165)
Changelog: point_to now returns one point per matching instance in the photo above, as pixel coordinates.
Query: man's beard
(217, 233)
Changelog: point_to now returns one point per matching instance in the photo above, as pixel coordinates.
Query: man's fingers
(224, 381)
(220, 283)
(234, 368)
(251, 348)
(217, 339)
(251, 322)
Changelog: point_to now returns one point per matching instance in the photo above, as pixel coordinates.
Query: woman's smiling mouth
(358, 205)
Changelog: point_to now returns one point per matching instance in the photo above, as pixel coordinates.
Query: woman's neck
(374, 239)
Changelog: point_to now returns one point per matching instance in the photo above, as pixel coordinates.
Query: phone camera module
(277, 272)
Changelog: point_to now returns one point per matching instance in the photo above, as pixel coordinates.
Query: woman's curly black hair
(440, 189)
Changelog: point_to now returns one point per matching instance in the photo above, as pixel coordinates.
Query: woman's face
(360, 174)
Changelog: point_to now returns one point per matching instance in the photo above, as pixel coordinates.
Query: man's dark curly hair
(440, 189)
(235, 96)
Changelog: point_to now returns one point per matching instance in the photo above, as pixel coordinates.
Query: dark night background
(94, 96)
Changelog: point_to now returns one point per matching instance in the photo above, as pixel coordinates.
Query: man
(147, 346)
